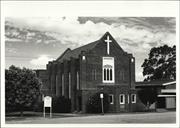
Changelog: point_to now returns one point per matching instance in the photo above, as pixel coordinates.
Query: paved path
(165, 117)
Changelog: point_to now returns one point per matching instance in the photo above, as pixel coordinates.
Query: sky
(33, 41)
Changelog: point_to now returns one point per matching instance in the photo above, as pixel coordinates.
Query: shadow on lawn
(15, 116)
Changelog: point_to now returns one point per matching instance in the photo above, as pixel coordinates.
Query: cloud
(41, 61)
(136, 35)
(70, 30)
(11, 50)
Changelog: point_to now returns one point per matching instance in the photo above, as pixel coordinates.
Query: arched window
(108, 70)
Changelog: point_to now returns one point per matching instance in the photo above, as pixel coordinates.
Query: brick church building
(100, 66)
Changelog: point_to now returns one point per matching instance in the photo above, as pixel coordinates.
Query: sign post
(102, 96)
(48, 103)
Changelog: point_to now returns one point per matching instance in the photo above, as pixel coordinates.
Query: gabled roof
(76, 52)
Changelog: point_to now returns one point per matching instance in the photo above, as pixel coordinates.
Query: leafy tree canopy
(147, 96)
(22, 88)
(161, 64)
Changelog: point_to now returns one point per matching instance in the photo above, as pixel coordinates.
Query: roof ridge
(84, 45)
(68, 49)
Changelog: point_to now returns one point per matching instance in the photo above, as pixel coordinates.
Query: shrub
(94, 103)
(61, 104)
(39, 106)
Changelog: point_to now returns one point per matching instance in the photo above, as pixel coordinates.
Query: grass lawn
(61, 118)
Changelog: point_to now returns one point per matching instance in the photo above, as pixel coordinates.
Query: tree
(22, 88)
(94, 103)
(147, 96)
(161, 64)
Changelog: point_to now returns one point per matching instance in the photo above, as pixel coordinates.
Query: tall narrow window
(62, 84)
(123, 75)
(69, 85)
(77, 81)
(122, 99)
(133, 98)
(108, 70)
(94, 74)
(111, 98)
(56, 90)
(107, 74)
(104, 74)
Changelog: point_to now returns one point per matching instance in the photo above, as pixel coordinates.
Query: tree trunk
(148, 106)
(21, 111)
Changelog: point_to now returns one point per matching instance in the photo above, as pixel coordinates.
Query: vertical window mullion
(111, 74)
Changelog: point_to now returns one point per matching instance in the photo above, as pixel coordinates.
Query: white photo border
(90, 8)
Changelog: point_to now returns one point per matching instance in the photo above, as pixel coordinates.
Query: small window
(128, 98)
(111, 98)
(132, 60)
(83, 57)
(133, 97)
(122, 99)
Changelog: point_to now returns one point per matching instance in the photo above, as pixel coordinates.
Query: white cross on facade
(108, 41)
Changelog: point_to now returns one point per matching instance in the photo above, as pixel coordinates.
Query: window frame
(128, 98)
(133, 100)
(108, 72)
(111, 95)
(120, 98)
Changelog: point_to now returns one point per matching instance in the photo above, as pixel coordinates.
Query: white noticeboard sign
(101, 95)
(47, 101)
